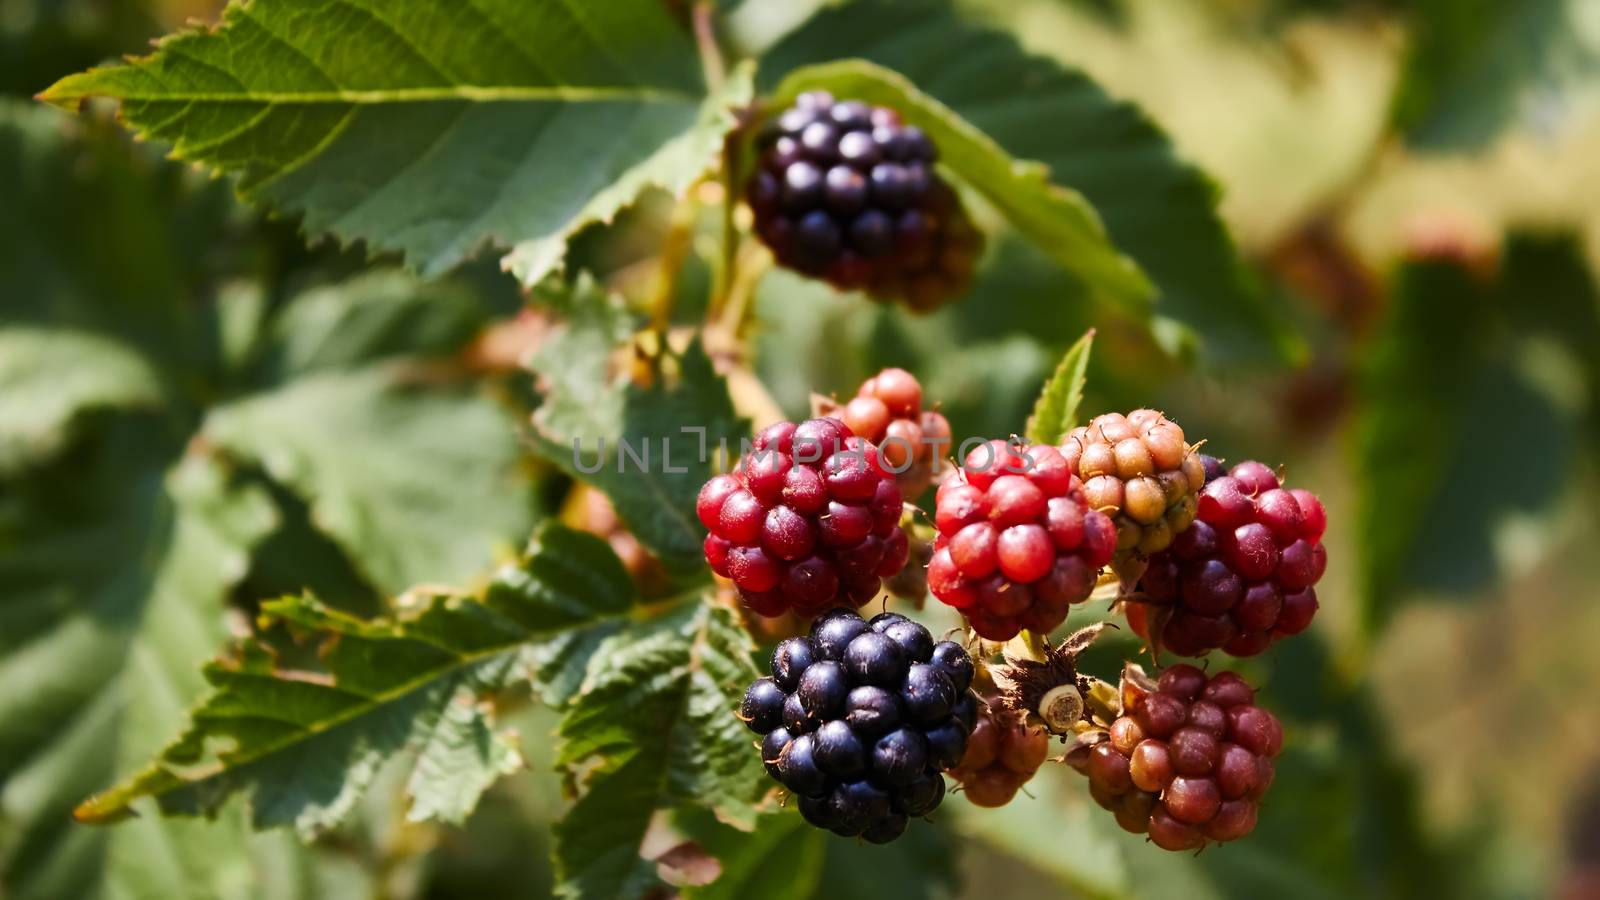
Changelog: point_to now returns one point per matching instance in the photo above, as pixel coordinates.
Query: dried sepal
(1043, 684)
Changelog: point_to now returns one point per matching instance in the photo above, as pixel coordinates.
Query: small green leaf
(649, 449)
(1056, 412)
(1057, 218)
(428, 127)
(303, 746)
(655, 728)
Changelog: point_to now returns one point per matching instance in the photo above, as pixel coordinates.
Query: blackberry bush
(1187, 761)
(1243, 576)
(1138, 470)
(858, 719)
(911, 441)
(1017, 544)
(848, 192)
(809, 519)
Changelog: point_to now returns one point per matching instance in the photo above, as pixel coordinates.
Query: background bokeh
(1414, 184)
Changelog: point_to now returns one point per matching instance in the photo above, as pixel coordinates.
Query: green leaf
(1457, 351)
(378, 316)
(427, 127)
(302, 746)
(1478, 67)
(649, 449)
(49, 378)
(114, 577)
(655, 728)
(1158, 209)
(1056, 412)
(413, 484)
(1058, 219)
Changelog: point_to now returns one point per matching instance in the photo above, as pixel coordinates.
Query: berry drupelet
(858, 720)
(848, 192)
(809, 519)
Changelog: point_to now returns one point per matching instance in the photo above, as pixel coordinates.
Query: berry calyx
(858, 719)
(1187, 761)
(1017, 543)
(808, 520)
(848, 192)
(1243, 576)
(887, 410)
(1137, 469)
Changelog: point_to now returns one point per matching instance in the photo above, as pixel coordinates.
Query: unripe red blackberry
(1002, 755)
(1137, 469)
(1017, 545)
(809, 519)
(848, 192)
(1242, 576)
(1188, 760)
(887, 410)
(859, 719)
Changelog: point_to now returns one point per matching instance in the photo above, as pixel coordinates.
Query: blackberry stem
(705, 39)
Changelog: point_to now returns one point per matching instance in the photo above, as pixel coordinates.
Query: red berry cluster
(1241, 576)
(1187, 762)
(1017, 544)
(887, 411)
(809, 519)
(1002, 755)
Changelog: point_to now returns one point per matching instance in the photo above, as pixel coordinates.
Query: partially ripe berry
(1186, 784)
(1017, 542)
(809, 519)
(1243, 575)
(1003, 754)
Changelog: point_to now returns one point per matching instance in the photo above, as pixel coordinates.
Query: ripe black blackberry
(859, 719)
(848, 193)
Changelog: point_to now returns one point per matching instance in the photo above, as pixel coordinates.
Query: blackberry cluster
(1002, 755)
(1017, 543)
(808, 520)
(848, 192)
(1186, 762)
(1242, 575)
(859, 718)
(1138, 470)
(887, 411)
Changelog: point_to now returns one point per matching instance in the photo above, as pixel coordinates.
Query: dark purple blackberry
(859, 729)
(848, 193)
